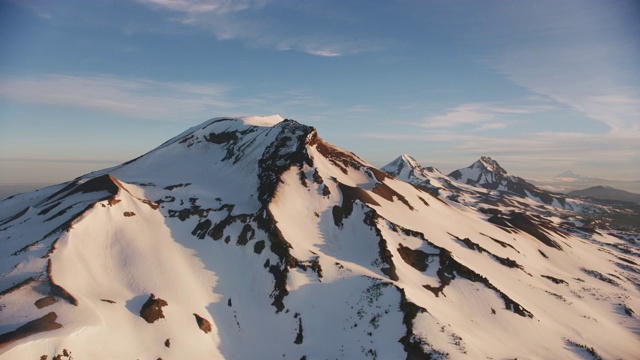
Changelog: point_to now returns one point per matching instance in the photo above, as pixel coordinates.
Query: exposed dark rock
(167, 343)
(17, 286)
(171, 187)
(383, 251)
(129, 214)
(223, 137)
(299, 337)
(44, 302)
(475, 246)
(413, 346)
(104, 182)
(151, 310)
(598, 275)
(258, 247)
(417, 259)
(49, 208)
(554, 280)
(202, 228)
(203, 323)
(57, 290)
(247, 233)
(45, 323)
(524, 223)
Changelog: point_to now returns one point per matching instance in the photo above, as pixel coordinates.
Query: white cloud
(485, 116)
(140, 98)
(243, 20)
(201, 6)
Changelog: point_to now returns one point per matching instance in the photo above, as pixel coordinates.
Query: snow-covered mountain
(488, 174)
(571, 176)
(254, 238)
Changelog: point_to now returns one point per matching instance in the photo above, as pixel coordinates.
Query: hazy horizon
(541, 87)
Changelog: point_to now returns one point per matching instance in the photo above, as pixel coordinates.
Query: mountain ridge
(301, 249)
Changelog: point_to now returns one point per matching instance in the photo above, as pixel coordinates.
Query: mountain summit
(252, 237)
(488, 174)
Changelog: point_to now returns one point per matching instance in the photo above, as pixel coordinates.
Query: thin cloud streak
(242, 20)
(139, 98)
(483, 114)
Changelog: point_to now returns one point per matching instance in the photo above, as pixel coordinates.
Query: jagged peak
(488, 164)
(410, 160)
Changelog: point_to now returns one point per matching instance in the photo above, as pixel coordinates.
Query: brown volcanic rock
(152, 309)
(45, 323)
(203, 324)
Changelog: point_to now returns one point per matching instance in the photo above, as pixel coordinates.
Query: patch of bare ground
(129, 214)
(417, 259)
(17, 286)
(388, 194)
(299, 336)
(413, 345)
(600, 276)
(338, 157)
(151, 310)
(258, 247)
(45, 323)
(449, 269)
(171, 187)
(349, 196)
(101, 183)
(588, 349)
(475, 246)
(203, 323)
(247, 233)
(44, 302)
(525, 223)
(554, 280)
(280, 247)
(313, 264)
(627, 310)
(16, 216)
(501, 243)
(383, 251)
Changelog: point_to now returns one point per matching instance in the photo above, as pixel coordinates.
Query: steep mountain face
(408, 169)
(254, 238)
(488, 174)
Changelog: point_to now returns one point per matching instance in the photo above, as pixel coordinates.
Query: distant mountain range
(607, 193)
(569, 181)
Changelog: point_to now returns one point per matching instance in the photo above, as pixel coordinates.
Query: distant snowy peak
(487, 173)
(571, 176)
(408, 169)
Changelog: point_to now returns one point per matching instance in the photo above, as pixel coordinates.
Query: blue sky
(540, 86)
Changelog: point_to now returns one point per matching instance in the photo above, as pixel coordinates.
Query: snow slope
(289, 247)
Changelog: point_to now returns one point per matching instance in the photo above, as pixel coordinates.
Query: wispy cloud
(244, 20)
(202, 6)
(585, 56)
(140, 98)
(484, 116)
